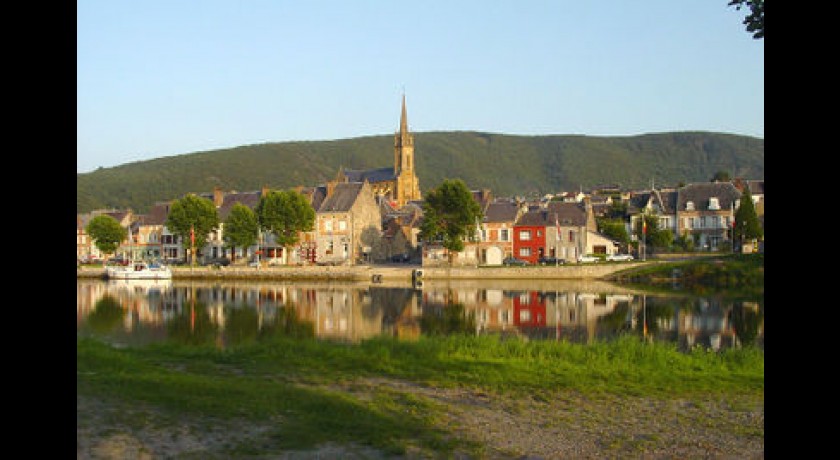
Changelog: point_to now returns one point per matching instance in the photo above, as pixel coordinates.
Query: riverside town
(366, 217)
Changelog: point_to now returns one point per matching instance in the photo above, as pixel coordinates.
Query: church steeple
(403, 120)
(408, 187)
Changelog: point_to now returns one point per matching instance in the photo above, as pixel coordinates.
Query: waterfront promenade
(392, 273)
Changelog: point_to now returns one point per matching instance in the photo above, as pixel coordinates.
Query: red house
(529, 235)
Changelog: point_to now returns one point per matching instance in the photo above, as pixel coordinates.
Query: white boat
(139, 270)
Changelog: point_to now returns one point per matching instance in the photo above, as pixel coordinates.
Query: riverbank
(444, 397)
(393, 273)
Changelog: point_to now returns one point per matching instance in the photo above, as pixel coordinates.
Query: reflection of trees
(616, 320)
(746, 322)
(447, 320)
(287, 323)
(193, 326)
(106, 315)
(241, 325)
(650, 314)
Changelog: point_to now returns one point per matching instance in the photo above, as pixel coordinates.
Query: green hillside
(506, 164)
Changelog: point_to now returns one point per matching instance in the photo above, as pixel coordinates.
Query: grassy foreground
(293, 386)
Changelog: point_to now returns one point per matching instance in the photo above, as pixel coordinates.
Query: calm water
(230, 313)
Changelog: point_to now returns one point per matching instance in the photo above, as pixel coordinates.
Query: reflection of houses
(529, 309)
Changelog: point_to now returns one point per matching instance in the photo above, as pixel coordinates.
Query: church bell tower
(408, 186)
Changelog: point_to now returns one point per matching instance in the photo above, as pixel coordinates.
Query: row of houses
(355, 225)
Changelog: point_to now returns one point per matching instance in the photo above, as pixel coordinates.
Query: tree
(285, 214)
(193, 218)
(450, 215)
(241, 228)
(755, 20)
(106, 232)
(614, 228)
(721, 176)
(747, 226)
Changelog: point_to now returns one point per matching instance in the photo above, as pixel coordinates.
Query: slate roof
(699, 193)
(370, 175)
(501, 211)
(156, 215)
(343, 197)
(249, 199)
(572, 214)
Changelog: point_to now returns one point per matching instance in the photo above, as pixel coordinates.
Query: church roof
(343, 197)
(370, 175)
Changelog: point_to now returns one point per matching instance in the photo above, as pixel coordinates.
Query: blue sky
(160, 78)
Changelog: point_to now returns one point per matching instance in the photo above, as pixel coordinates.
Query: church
(398, 184)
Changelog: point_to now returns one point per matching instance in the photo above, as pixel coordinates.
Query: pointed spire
(403, 119)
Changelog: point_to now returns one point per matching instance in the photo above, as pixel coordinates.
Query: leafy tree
(755, 20)
(615, 229)
(747, 226)
(285, 214)
(241, 227)
(106, 232)
(721, 176)
(450, 215)
(195, 214)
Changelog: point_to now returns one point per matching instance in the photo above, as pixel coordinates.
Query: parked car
(219, 261)
(509, 261)
(620, 257)
(588, 258)
(550, 261)
(399, 258)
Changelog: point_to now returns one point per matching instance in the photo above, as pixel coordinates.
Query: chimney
(590, 216)
(264, 191)
(218, 196)
(330, 188)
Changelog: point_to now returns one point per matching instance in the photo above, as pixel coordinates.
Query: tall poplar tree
(747, 226)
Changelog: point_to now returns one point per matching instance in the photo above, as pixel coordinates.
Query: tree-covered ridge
(506, 164)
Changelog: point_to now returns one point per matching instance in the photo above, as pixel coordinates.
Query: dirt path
(567, 425)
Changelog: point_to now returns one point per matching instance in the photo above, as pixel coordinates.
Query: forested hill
(506, 164)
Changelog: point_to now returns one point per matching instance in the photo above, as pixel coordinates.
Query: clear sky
(158, 78)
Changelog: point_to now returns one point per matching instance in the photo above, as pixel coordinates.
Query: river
(227, 313)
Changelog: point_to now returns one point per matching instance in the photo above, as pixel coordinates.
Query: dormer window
(714, 205)
(689, 206)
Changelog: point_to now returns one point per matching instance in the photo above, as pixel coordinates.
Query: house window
(525, 252)
(689, 206)
(571, 236)
(328, 225)
(714, 205)
(504, 235)
(342, 225)
(525, 235)
(524, 316)
(539, 233)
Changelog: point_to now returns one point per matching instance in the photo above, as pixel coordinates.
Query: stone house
(705, 211)
(348, 224)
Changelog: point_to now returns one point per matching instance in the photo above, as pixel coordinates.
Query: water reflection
(231, 313)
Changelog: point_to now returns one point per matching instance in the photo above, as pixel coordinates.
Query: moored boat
(139, 270)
